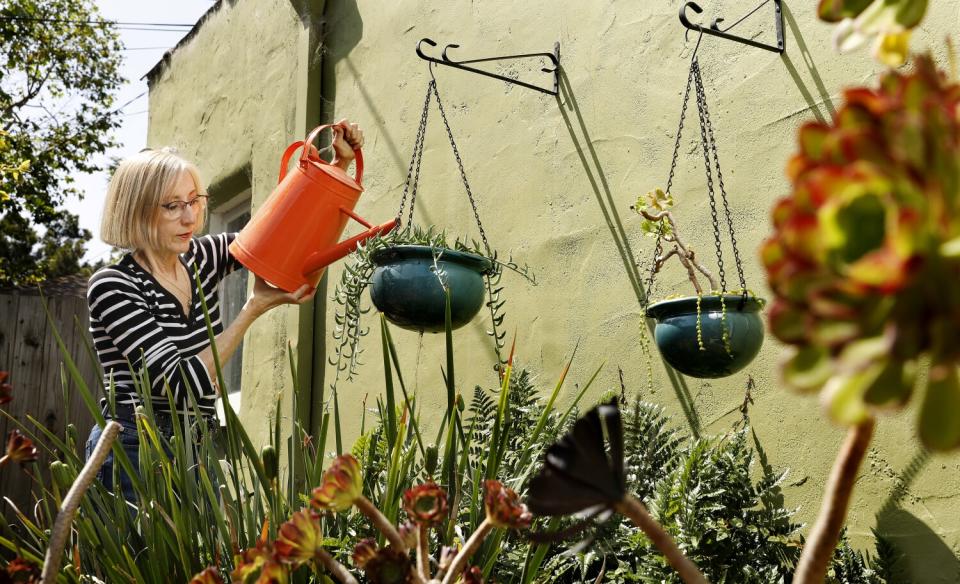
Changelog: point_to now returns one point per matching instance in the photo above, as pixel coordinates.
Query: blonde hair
(131, 211)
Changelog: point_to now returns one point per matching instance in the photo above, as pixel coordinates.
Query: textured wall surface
(555, 179)
(226, 98)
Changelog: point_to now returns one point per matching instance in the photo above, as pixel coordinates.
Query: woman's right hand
(264, 296)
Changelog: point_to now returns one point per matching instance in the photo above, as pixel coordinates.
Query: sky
(143, 49)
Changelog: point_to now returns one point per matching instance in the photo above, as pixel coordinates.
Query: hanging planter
(409, 269)
(708, 336)
(408, 284)
(713, 333)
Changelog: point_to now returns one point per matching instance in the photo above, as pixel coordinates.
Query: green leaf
(807, 369)
(940, 414)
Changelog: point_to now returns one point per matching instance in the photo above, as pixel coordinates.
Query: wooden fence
(29, 351)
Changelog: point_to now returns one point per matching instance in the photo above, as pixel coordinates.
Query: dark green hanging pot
(406, 289)
(677, 339)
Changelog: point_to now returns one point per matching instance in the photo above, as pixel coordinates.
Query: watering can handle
(305, 154)
(322, 259)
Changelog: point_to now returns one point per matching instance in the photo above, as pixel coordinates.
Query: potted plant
(410, 272)
(713, 333)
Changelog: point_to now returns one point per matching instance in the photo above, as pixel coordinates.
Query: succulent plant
(299, 539)
(426, 504)
(888, 22)
(389, 566)
(864, 261)
(503, 506)
(19, 449)
(340, 486)
(6, 390)
(208, 576)
(364, 551)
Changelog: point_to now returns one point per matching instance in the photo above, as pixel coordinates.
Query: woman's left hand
(265, 296)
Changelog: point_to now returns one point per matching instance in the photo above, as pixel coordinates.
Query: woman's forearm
(228, 341)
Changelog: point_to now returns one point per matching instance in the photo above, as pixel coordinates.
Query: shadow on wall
(593, 169)
(925, 558)
(343, 29)
(812, 104)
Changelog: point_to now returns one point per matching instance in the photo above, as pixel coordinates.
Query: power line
(97, 22)
(142, 48)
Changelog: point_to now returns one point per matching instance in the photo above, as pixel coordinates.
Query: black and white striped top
(134, 319)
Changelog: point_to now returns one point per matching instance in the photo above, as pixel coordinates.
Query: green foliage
(27, 257)
(58, 79)
(728, 516)
(853, 567)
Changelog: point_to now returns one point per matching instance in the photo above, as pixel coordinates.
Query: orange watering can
(296, 233)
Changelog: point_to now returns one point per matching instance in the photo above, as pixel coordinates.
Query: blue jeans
(129, 440)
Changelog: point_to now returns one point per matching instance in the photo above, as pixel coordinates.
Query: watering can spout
(323, 258)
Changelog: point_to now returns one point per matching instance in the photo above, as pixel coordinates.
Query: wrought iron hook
(714, 28)
(445, 59)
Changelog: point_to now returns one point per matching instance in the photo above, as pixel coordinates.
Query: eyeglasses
(174, 209)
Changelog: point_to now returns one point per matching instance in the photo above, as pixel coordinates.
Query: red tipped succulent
(472, 575)
(207, 576)
(364, 551)
(864, 262)
(341, 485)
(299, 539)
(19, 449)
(503, 506)
(389, 566)
(6, 390)
(20, 571)
(426, 504)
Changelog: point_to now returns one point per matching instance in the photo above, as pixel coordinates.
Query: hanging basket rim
(708, 303)
(411, 251)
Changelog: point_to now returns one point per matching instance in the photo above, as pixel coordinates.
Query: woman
(146, 316)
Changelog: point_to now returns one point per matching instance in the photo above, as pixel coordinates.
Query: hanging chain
(723, 192)
(658, 248)
(701, 111)
(463, 175)
(411, 185)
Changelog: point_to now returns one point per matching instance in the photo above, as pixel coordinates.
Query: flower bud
(268, 455)
(364, 551)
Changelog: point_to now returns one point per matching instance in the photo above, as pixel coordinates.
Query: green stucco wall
(227, 99)
(555, 179)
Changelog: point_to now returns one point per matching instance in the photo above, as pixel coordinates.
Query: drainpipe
(311, 330)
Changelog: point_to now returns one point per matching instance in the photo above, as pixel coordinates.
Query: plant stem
(334, 567)
(460, 562)
(61, 527)
(380, 522)
(637, 512)
(826, 531)
(423, 551)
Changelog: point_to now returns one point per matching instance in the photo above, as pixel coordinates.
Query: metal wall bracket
(715, 29)
(445, 59)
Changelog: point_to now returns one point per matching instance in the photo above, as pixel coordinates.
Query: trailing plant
(864, 265)
(359, 267)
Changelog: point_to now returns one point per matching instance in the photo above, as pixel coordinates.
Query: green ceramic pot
(406, 289)
(676, 333)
